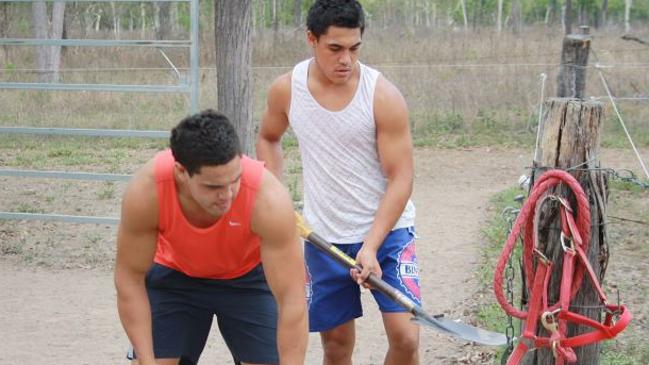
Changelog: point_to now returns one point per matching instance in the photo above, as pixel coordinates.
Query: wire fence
(433, 90)
(188, 85)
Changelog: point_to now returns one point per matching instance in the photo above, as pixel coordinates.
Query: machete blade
(461, 330)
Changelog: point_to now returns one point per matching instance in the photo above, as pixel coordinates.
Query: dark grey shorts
(183, 307)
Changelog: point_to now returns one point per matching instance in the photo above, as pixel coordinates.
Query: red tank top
(225, 250)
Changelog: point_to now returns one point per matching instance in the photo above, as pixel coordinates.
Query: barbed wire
(639, 98)
(376, 65)
(510, 212)
(381, 66)
(621, 174)
(629, 177)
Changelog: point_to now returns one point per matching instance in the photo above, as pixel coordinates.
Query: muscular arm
(136, 243)
(283, 261)
(273, 125)
(395, 150)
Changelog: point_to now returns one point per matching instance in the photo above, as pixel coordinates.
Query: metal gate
(187, 85)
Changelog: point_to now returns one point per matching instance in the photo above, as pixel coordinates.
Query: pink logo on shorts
(409, 271)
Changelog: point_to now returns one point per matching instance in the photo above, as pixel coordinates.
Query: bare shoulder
(140, 200)
(282, 82)
(273, 211)
(280, 89)
(278, 100)
(389, 103)
(386, 91)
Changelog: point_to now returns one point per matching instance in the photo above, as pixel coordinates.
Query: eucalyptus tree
(48, 27)
(233, 66)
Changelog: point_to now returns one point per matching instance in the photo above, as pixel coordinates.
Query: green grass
(26, 208)
(633, 354)
(452, 130)
(11, 248)
(84, 153)
(634, 118)
(495, 231)
(107, 192)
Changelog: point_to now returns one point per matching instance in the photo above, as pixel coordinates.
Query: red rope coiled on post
(555, 317)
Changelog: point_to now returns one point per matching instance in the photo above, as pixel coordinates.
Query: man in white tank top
(356, 149)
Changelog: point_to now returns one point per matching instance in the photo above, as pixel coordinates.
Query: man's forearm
(272, 154)
(292, 332)
(135, 314)
(390, 209)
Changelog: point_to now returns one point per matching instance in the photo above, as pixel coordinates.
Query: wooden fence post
(571, 80)
(570, 140)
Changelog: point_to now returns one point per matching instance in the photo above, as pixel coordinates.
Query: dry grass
(451, 80)
(462, 89)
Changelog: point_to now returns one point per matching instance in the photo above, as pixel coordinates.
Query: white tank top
(341, 171)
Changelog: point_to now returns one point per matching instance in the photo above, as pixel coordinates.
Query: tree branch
(629, 37)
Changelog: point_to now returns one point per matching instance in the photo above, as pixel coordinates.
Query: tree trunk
(477, 10)
(570, 138)
(474, 17)
(86, 21)
(552, 12)
(4, 19)
(116, 20)
(571, 80)
(56, 32)
(499, 16)
(297, 13)
(516, 17)
(567, 17)
(627, 15)
(466, 21)
(40, 22)
(262, 15)
(142, 20)
(275, 15)
(131, 21)
(434, 23)
(163, 20)
(233, 61)
(416, 13)
(603, 14)
(48, 57)
(4, 26)
(175, 19)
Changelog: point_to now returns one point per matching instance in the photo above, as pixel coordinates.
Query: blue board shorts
(183, 307)
(333, 296)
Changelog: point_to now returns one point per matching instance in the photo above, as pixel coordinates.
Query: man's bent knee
(338, 343)
(406, 343)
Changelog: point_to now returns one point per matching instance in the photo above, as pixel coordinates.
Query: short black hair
(204, 139)
(339, 13)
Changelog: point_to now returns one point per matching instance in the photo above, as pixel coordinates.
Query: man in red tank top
(207, 232)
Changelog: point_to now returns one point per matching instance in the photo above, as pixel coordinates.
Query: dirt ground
(66, 314)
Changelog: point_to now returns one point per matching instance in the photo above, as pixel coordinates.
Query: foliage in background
(83, 18)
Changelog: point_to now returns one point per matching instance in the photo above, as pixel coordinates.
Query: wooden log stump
(570, 141)
(571, 81)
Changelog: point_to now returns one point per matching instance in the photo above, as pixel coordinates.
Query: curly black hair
(339, 13)
(204, 139)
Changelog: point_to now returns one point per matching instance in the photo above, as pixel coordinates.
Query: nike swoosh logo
(234, 224)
